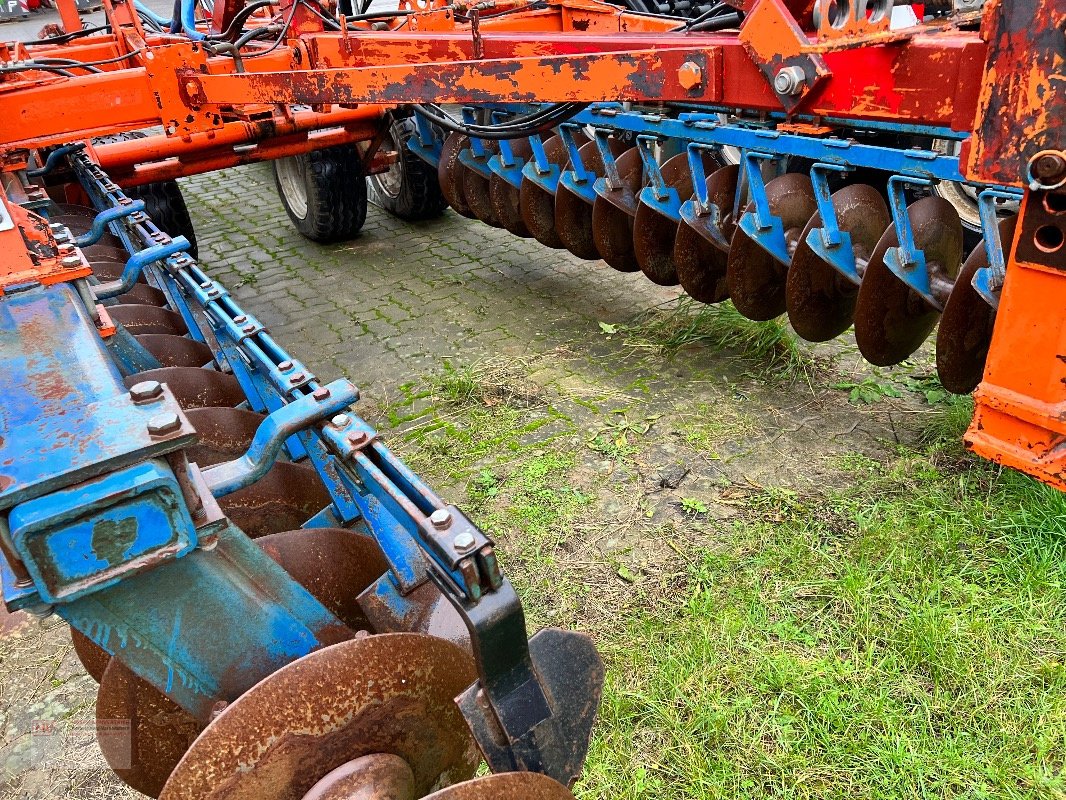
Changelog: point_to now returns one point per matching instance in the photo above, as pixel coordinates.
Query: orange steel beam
(1020, 406)
(931, 80)
(200, 160)
(117, 156)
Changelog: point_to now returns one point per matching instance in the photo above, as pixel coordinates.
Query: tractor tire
(165, 204)
(409, 188)
(324, 192)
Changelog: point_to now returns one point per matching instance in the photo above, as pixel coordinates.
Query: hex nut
(463, 542)
(162, 424)
(789, 80)
(441, 519)
(146, 390)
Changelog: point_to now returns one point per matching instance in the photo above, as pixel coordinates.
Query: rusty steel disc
(701, 261)
(105, 252)
(965, 332)
(143, 294)
(193, 387)
(92, 656)
(392, 693)
(510, 785)
(107, 269)
(821, 301)
(176, 351)
(381, 776)
(223, 433)
(757, 280)
(335, 565)
(538, 205)
(612, 215)
(141, 732)
(283, 499)
(506, 199)
(448, 171)
(148, 319)
(653, 233)
(476, 189)
(573, 214)
(891, 319)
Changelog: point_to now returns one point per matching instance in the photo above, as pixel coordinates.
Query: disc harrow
(772, 220)
(363, 640)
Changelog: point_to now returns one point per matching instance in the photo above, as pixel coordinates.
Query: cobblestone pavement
(402, 301)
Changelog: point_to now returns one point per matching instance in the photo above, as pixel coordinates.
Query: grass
(770, 345)
(905, 640)
(902, 638)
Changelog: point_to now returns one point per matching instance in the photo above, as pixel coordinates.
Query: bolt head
(690, 76)
(285, 366)
(357, 438)
(240, 319)
(340, 421)
(145, 391)
(441, 519)
(320, 394)
(297, 378)
(463, 542)
(163, 424)
(248, 328)
(71, 262)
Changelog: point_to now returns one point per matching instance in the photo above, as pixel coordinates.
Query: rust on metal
(821, 301)
(193, 387)
(573, 214)
(92, 656)
(654, 233)
(380, 776)
(148, 319)
(756, 279)
(171, 350)
(334, 564)
(159, 733)
(966, 326)
(391, 693)
(613, 211)
(283, 499)
(891, 319)
(510, 785)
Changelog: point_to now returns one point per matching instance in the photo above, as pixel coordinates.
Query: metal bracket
(830, 243)
(136, 263)
(776, 44)
(101, 221)
(578, 179)
(222, 479)
(699, 213)
(906, 261)
(988, 281)
(657, 194)
(763, 227)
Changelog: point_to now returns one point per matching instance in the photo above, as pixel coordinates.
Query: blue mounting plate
(66, 415)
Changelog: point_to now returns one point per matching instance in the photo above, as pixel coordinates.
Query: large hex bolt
(689, 75)
(441, 519)
(789, 80)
